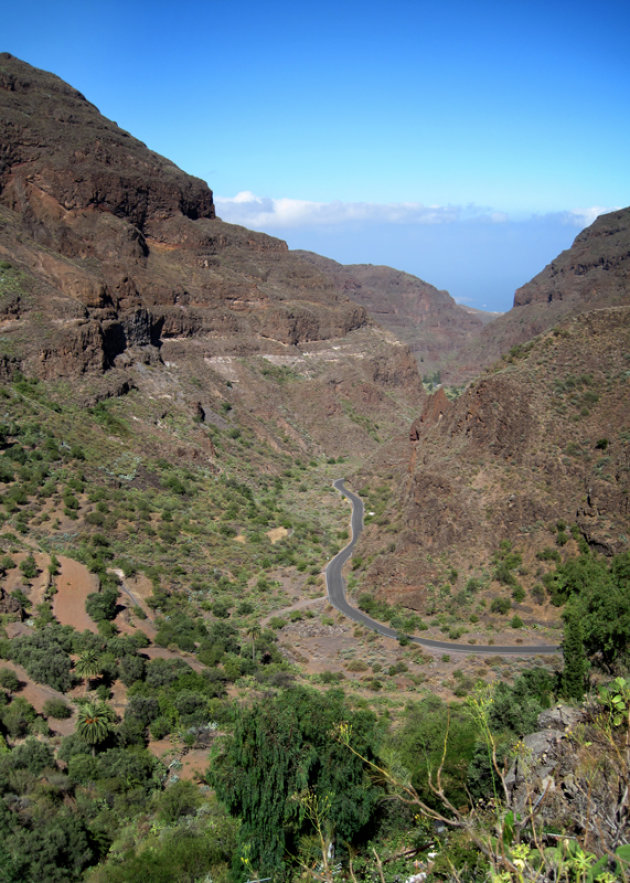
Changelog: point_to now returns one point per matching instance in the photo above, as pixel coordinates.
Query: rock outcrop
(595, 270)
(539, 439)
(428, 320)
(124, 249)
(592, 274)
(571, 773)
(115, 274)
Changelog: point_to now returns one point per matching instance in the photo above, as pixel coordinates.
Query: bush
(18, 717)
(538, 593)
(180, 799)
(127, 768)
(356, 665)
(500, 605)
(131, 669)
(159, 728)
(180, 630)
(102, 605)
(259, 786)
(32, 755)
(331, 677)
(131, 731)
(164, 672)
(29, 567)
(57, 709)
(9, 680)
(82, 769)
(45, 656)
(548, 554)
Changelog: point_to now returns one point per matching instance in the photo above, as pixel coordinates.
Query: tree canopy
(280, 748)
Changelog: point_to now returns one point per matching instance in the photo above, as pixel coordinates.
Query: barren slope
(428, 320)
(543, 437)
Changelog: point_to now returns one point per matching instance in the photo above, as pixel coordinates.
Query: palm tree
(254, 632)
(94, 722)
(87, 666)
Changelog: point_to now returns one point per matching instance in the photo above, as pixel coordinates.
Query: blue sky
(467, 143)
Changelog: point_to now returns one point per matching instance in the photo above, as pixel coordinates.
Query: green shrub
(9, 680)
(18, 717)
(102, 605)
(159, 728)
(548, 554)
(29, 567)
(356, 665)
(45, 655)
(32, 755)
(500, 605)
(179, 799)
(538, 593)
(131, 668)
(57, 708)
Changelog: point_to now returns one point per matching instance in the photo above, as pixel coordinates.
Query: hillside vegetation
(178, 700)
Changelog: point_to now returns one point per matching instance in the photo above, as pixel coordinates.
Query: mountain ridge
(594, 272)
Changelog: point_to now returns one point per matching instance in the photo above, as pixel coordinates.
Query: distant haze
(480, 257)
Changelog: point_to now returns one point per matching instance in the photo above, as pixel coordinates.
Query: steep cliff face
(542, 437)
(428, 320)
(127, 246)
(593, 273)
(112, 259)
(60, 155)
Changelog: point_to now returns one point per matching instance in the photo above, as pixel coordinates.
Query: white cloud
(269, 214)
(584, 217)
(264, 212)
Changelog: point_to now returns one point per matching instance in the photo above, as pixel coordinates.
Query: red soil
(74, 584)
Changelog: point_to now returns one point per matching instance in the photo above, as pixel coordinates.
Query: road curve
(335, 587)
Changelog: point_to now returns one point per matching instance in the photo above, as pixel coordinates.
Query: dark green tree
(598, 594)
(102, 605)
(29, 567)
(18, 717)
(604, 610)
(420, 745)
(575, 671)
(280, 748)
(9, 680)
(45, 656)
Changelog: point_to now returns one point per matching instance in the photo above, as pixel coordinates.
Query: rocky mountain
(117, 260)
(116, 275)
(177, 396)
(593, 273)
(540, 439)
(428, 320)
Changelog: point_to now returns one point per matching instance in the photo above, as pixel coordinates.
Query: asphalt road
(335, 586)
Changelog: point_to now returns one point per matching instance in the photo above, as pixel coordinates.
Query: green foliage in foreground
(596, 593)
(281, 749)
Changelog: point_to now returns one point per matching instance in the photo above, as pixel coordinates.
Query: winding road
(336, 594)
